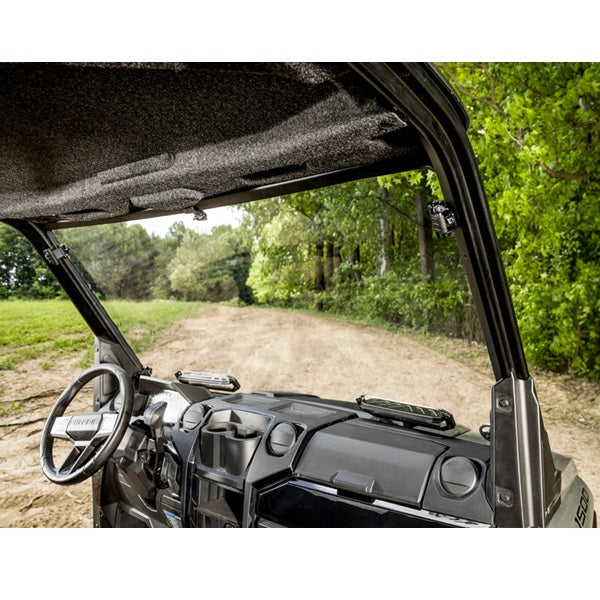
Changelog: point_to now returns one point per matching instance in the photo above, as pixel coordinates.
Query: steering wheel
(95, 436)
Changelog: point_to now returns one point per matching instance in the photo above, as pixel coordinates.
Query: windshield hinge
(442, 219)
(53, 255)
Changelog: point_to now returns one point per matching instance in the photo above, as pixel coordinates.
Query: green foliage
(166, 249)
(282, 267)
(210, 267)
(535, 130)
(120, 263)
(409, 301)
(119, 259)
(365, 224)
(22, 272)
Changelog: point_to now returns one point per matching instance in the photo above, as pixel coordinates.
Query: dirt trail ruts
(285, 351)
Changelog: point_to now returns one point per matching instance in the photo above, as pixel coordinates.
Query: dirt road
(281, 350)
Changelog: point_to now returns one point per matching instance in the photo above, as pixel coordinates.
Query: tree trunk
(337, 258)
(391, 243)
(425, 239)
(329, 266)
(384, 238)
(356, 263)
(319, 272)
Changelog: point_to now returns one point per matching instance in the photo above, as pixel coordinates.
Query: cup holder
(229, 446)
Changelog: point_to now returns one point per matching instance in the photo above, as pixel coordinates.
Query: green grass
(142, 322)
(53, 328)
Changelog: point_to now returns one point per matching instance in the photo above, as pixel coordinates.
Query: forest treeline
(367, 249)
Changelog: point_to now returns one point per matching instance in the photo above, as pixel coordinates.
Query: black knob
(282, 438)
(458, 476)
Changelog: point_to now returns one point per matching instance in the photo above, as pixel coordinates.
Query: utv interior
(86, 144)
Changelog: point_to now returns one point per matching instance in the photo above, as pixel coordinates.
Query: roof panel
(80, 142)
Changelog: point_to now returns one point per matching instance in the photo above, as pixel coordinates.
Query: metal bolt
(503, 402)
(504, 497)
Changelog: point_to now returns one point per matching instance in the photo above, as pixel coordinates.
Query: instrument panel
(279, 459)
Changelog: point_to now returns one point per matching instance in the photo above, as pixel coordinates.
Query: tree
(211, 267)
(282, 267)
(536, 132)
(22, 271)
(166, 249)
(119, 257)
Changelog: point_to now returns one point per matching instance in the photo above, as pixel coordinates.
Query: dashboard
(277, 459)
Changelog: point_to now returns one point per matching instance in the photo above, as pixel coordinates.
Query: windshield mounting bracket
(54, 255)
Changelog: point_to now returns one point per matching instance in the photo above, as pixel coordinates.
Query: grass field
(51, 328)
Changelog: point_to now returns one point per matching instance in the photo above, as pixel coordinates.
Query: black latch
(53, 255)
(147, 371)
(442, 219)
(144, 371)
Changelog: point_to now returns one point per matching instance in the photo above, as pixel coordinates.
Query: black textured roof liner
(91, 142)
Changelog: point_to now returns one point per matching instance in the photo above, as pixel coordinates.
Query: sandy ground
(286, 351)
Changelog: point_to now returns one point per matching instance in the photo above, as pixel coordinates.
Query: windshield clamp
(442, 219)
(53, 255)
(143, 372)
(199, 214)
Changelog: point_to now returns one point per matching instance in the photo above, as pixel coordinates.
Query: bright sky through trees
(226, 215)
